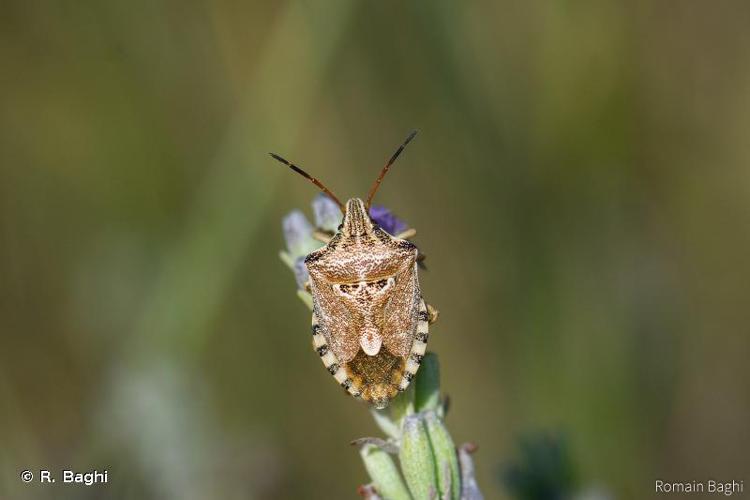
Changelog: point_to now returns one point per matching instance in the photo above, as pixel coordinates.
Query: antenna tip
(410, 137)
(278, 158)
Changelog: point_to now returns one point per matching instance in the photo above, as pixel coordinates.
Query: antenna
(376, 185)
(309, 178)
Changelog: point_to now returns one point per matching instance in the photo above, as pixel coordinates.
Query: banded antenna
(376, 185)
(310, 178)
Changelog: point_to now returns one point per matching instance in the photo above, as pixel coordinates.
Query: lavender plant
(417, 459)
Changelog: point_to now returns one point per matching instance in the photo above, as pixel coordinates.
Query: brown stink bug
(369, 321)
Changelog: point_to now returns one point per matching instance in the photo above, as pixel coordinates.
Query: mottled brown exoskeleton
(369, 321)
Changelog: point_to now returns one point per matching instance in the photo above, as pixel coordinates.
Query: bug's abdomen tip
(381, 404)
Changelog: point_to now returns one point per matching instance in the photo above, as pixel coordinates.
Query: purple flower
(298, 234)
(300, 273)
(387, 220)
(327, 213)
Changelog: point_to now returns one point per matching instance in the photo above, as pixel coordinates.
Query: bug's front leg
(432, 314)
(407, 234)
(322, 236)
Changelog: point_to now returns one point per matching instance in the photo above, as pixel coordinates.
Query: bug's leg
(432, 314)
(405, 235)
(408, 234)
(305, 294)
(322, 236)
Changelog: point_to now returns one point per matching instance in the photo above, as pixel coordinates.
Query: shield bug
(370, 324)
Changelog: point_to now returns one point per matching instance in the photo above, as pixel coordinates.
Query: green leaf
(384, 473)
(448, 472)
(427, 390)
(287, 259)
(417, 459)
(306, 298)
(386, 423)
(402, 405)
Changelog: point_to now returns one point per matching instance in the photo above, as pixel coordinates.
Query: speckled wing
(334, 319)
(401, 313)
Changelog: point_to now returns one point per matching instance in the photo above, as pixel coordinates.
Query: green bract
(417, 459)
(427, 395)
(384, 473)
(449, 478)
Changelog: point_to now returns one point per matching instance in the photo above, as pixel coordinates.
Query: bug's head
(357, 222)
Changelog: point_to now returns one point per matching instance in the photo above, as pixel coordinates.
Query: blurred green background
(580, 186)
